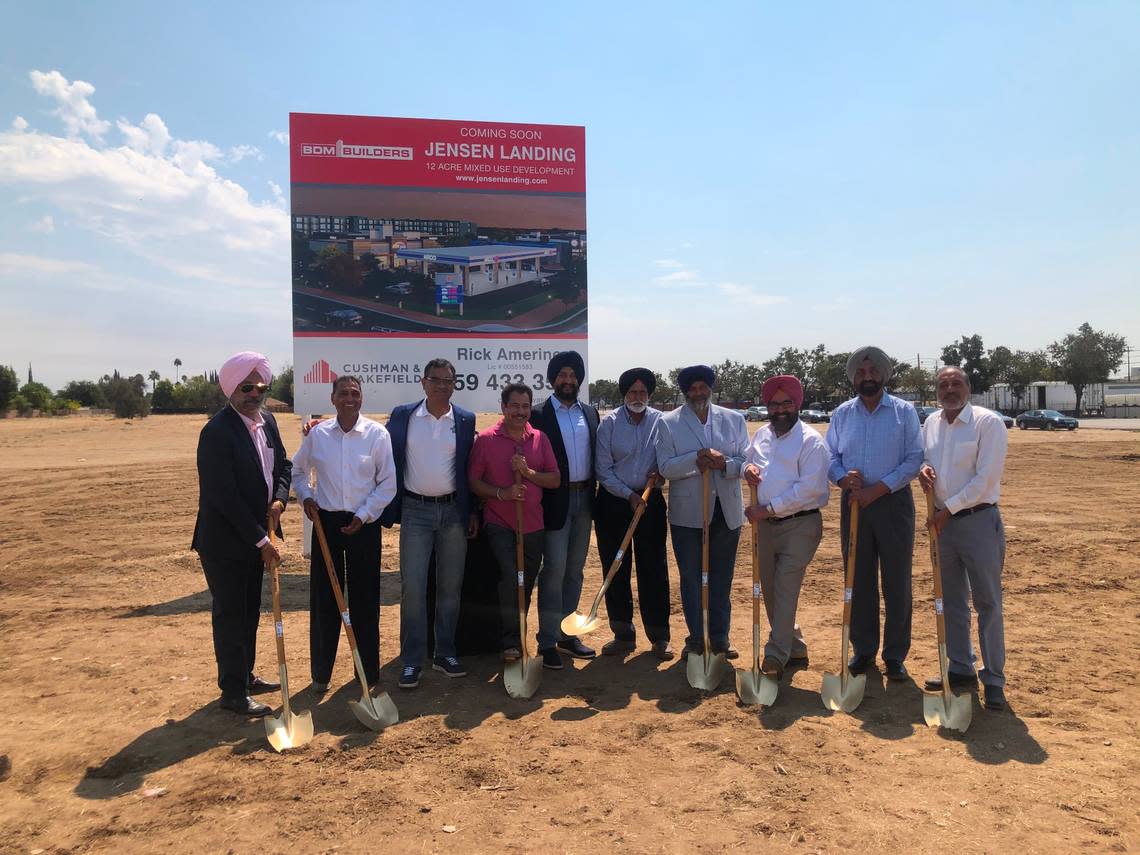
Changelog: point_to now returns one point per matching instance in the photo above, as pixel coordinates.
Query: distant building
(484, 267)
(310, 224)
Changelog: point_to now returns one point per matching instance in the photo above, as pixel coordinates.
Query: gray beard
(699, 407)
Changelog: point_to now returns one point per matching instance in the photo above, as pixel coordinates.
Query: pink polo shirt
(491, 463)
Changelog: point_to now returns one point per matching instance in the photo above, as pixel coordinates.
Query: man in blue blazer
(243, 486)
(568, 510)
(431, 441)
(691, 440)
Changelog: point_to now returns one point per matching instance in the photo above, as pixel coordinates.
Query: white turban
(239, 366)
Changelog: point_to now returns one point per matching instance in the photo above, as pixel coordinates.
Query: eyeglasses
(440, 381)
(781, 405)
(249, 387)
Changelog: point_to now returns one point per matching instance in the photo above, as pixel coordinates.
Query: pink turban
(791, 386)
(238, 367)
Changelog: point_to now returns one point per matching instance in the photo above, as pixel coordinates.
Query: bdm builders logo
(366, 152)
(320, 373)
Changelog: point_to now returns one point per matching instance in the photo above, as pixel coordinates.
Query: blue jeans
(425, 526)
(722, 562)
(563, 557)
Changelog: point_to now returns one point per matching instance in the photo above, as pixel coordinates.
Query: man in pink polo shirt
(499, 452)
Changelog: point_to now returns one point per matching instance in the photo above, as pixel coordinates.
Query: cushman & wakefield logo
(321, 372)
(366, 152)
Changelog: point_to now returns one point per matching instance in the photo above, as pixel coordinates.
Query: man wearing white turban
(243, 486)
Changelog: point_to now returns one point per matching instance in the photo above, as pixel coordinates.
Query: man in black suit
(568, 510)
(243, 485)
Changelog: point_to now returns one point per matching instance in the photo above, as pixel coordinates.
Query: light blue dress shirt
(576, 437)
(626, 452)
(884, 444)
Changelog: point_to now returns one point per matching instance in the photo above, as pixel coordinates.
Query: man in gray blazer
(692, 439)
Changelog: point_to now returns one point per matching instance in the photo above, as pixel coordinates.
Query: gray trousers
(972, 553)
(786, 548)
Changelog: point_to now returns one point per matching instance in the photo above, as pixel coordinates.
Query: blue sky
(759, 175)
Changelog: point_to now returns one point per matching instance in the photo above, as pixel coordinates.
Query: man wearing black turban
(568, 510)
(697, 438)
(626, 460)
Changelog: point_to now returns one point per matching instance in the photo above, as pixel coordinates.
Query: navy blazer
(464, 439)
(556, 502)
(233, 504)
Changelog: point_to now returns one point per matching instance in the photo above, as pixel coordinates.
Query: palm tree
(177, 365)
(153, 377)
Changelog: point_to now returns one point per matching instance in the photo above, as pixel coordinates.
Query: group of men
(552, 472)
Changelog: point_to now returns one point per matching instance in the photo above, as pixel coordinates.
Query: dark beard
(782, 422)
(564, 394)
(869, 388)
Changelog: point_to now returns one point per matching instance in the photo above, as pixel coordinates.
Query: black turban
(628, 378)
(570, 358)
(694, 373)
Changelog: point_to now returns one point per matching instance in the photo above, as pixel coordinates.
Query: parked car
(756, 414)
(923, 412)
(1008, 421)
(814, 416)
(1046, 420)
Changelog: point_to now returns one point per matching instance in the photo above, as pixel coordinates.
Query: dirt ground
(111, 738)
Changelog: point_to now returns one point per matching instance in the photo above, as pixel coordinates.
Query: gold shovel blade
(522, 677)
(950, 711)
(290, 730)
(704, 671)
(839, 698)
(755, 687)
(577, 624)
(375, 713)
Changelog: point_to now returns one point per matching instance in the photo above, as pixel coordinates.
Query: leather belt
(985, 506)
(578, 485)
(793, 516)
(438, 500)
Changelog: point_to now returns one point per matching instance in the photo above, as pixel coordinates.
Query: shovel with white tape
(844, 691)
(288, 730)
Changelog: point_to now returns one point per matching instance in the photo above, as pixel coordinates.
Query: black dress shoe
(896, 671)
(796, 663)
(246, 706)
(258, 686)
(957, 681)
(995, 698)
(574, 647)
(859, 664)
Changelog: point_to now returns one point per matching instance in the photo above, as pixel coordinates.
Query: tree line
(1080, 358)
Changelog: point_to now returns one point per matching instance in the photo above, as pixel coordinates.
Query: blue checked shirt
(884, 445)
(626, 452)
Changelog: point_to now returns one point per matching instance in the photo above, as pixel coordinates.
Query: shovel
(522, 676)
(577, 624)
(845, 692)
(286, 730)
(704, 673)
(755, 687)
(374, 713)
(943, 708)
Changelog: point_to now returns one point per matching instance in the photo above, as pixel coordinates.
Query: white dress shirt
(355, 470)
(967, 455)
(793, 469)
(256, 428)
(430, 453)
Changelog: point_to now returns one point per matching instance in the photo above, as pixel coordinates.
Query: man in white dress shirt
(963, 456)
(356, 479)
(788, 461)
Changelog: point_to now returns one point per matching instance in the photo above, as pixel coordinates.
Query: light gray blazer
(680, 435)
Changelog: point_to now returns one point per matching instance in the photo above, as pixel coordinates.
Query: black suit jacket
(556, 502)
(233, 505)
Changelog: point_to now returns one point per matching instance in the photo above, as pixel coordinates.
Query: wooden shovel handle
(520, 557)
(705, 540)
(752, 499)
(334, 582)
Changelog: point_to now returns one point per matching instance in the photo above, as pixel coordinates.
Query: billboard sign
(421, 238)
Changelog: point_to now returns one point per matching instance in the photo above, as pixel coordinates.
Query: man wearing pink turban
(787, 461)
(243, 486)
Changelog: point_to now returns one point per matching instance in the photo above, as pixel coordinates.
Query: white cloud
(678, 279)
(19, 264)
(77, 113)
(45, 225)
(281, 136)
(238, 153)
(746, 295)
(148, 137)
(19, 124)
(278, 193)
(668, 263)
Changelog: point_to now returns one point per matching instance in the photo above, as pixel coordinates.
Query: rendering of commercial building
(484, 268)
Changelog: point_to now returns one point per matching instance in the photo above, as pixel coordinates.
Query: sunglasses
(246, 388)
